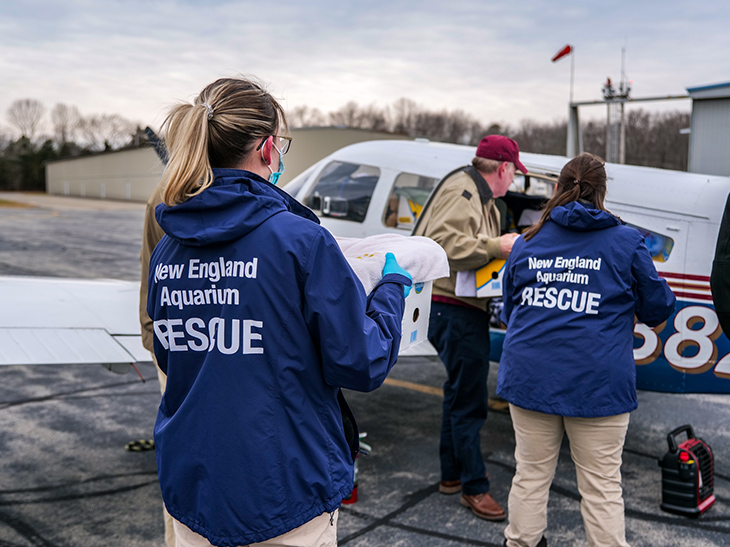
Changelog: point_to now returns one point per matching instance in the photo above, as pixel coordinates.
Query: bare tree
(541, 138)
(26, 115)
(4, 139)
(437, 126)
(304, 116)
(674, 145)
(66, 120)
(106, 131)
(457, 126)
(655, 140)
(403, 115)
(353, 115)
(373, 118)
(348, 115)
(594, 137)
(651, 139)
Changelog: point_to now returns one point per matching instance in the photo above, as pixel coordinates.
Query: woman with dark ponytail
(258, 322)
(574, 284)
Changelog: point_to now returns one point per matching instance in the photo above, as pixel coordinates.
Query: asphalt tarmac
(66, 479)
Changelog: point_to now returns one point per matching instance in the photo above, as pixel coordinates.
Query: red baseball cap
(500, 148)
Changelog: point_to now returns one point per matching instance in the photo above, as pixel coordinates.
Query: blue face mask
(274, 176)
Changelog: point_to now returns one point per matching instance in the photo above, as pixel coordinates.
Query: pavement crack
(66, 491)
(25, 530)
(412, 500)
(457, 539)
(77, 483)
(66, 394)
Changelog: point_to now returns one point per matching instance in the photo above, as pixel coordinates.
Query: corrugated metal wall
(126, 175)
(709, 144)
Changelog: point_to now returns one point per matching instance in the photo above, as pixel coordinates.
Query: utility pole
(624, 92)
(616, 119)
(573, 145)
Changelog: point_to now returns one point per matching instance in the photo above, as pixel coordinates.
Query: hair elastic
(210, 110)
(576, 181)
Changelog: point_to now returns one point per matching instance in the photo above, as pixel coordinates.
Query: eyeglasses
(284, 143)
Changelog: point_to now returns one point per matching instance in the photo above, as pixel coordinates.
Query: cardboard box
(489, 279)
(416, 315)
(486, 282)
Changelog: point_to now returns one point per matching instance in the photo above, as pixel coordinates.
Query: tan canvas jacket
(151, 235)
(466, 223)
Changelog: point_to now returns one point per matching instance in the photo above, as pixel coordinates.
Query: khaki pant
(167, 519)
(596, 445)
(321, 531)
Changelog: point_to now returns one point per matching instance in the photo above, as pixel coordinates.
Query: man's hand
(505, 244)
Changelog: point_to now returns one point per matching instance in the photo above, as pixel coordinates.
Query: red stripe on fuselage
(697, 296)
(682, 285)
(691, 277)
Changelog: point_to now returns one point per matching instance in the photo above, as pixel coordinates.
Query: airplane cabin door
(662, 353)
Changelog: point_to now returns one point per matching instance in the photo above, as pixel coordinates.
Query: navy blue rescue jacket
(570, 296)
(259, 321)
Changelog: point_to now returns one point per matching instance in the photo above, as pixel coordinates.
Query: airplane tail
(157, 143)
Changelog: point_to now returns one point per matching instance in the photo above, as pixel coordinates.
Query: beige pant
(321, 531)
(596, 445)
(167, 519)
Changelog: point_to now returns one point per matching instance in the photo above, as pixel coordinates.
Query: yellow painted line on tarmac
(496, 404)
(6, 203)
(415, 387)
(40, 216)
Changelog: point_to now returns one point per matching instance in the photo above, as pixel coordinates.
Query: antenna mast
(616, 119)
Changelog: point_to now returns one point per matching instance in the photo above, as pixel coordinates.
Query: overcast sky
(490, 59)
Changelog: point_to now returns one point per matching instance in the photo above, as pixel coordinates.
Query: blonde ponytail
(219, 130)
(188, 170)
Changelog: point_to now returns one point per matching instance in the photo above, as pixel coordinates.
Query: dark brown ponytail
(582, 178)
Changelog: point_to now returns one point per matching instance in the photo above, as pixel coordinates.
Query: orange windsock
(563, 52)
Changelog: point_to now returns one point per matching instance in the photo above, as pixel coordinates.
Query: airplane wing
(48, 320)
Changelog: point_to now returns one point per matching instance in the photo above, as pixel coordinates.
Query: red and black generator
(687, 475)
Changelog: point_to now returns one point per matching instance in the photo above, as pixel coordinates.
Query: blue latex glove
(392, 267)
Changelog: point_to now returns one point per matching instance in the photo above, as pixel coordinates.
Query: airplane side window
(660, 246)
(406, 200)
(533, 185)
(297, 183)
(343, 190)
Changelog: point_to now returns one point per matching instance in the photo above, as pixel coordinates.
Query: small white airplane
(381, 186)
(57, 321)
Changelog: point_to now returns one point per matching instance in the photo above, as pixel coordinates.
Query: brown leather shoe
(450, 487)
(498, 405)
(484, 506)
(542, 543)
(453, 487)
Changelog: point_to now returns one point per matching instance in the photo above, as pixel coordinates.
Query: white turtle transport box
(416, 315)
(421, 257)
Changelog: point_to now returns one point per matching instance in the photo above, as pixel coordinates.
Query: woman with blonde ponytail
(573, 285)
(258, 322)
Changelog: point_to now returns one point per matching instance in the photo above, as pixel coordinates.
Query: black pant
(461, 337)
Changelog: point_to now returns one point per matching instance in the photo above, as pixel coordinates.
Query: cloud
(135, 58)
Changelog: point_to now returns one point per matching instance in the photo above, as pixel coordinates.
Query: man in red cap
(462, 217)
